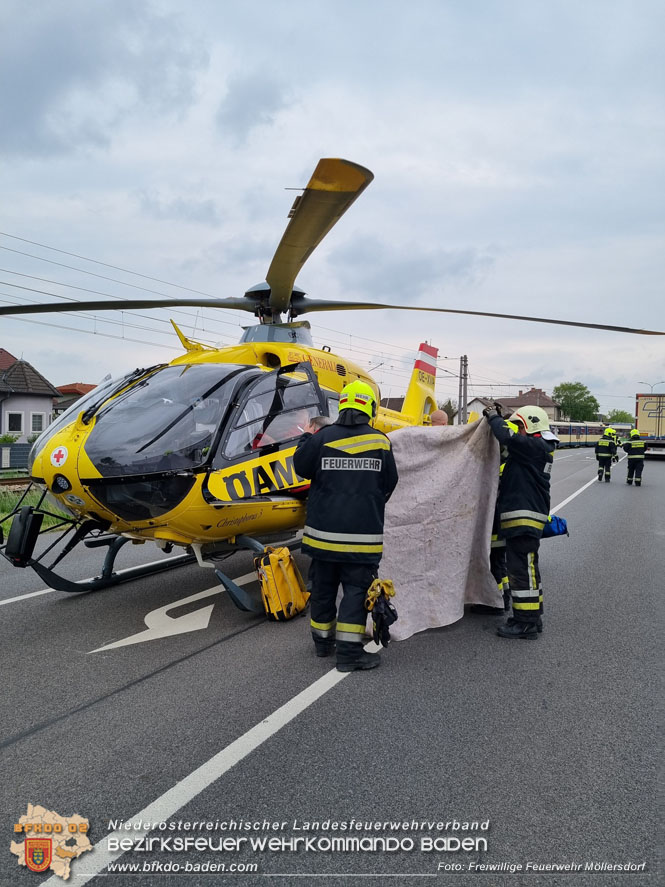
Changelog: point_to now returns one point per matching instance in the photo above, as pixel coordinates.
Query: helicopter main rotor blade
(126, 305)
(303, 305)
(334, 185)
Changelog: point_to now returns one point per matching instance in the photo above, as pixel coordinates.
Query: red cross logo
(59, 456)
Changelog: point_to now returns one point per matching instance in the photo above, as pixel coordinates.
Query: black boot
(324, 649)
(513, 629)
(539, 624)
(600, 476)
(362, 663)
(629, 481)
(607, 480)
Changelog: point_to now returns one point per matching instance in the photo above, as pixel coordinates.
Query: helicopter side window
(277, 411)
(333, 407)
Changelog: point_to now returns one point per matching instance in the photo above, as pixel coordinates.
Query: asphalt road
(551, 745)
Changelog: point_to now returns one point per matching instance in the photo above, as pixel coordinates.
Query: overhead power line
(351, 345)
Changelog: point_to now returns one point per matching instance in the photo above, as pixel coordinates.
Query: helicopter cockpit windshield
(164, 422)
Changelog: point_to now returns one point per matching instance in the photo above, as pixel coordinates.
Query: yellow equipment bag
(282, 587)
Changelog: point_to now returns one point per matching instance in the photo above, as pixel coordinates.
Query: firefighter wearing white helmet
(353, 473)
(524, 507)
(635, 447)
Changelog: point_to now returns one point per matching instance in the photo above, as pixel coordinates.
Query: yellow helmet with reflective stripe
(359, 396)
(635, 433)
(610, 432)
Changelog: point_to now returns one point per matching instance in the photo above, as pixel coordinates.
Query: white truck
(650, 422)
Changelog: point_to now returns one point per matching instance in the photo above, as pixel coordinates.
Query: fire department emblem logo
(59, 456)
(46, 840)
(38, 853)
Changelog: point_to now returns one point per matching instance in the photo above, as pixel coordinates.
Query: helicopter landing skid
(243, 601)
(108, 578)
(26, 528)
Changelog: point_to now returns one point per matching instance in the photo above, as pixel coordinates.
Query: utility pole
(463, 390)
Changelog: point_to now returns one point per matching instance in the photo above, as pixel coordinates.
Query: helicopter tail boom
(420, 400)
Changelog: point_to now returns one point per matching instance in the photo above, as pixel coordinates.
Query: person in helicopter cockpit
(285, 426)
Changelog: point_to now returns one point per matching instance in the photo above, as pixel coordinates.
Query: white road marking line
(574, 496)
(30, 594)
(188, 788)
(23, 597)
(581, 490)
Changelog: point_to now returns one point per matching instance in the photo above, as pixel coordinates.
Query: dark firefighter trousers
(346, 627)
(524, 578)
(498, 567)
(635, 469)
(604, 467)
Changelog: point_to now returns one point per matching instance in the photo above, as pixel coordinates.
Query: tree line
(579, 405)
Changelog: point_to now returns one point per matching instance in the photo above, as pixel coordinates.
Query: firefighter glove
(383, 616)
(383, 612)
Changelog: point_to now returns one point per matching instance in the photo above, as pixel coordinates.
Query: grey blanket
(438, 524)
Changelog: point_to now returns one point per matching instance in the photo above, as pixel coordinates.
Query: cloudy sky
(518, 148)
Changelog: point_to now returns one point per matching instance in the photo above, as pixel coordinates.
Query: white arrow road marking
(161, 625)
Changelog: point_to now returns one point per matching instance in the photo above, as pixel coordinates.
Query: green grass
(9, 500)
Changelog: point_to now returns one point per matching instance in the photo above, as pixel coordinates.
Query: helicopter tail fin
(420, 400)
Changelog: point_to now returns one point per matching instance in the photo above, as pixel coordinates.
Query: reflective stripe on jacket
(635, 448)
(353, 473)
(605, 448)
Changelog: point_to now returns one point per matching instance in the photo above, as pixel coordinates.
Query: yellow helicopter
(198, 453)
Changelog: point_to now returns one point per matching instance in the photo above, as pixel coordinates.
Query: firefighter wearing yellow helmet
(352, 472)
(605, 450)
(635, 447)
(524, 507)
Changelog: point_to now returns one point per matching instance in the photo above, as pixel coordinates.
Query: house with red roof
(69, 394)
(26, 398)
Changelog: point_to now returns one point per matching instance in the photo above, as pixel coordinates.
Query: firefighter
(498, 567)
(606, 449)
(524, 506)
(635, 448)
(353, 473)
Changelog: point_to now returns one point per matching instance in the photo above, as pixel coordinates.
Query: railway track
(16, 482)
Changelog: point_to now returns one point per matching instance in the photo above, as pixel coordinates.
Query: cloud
(517, 156)
(80, 69)
(370, 268)
(185, 209)
(252, 100)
